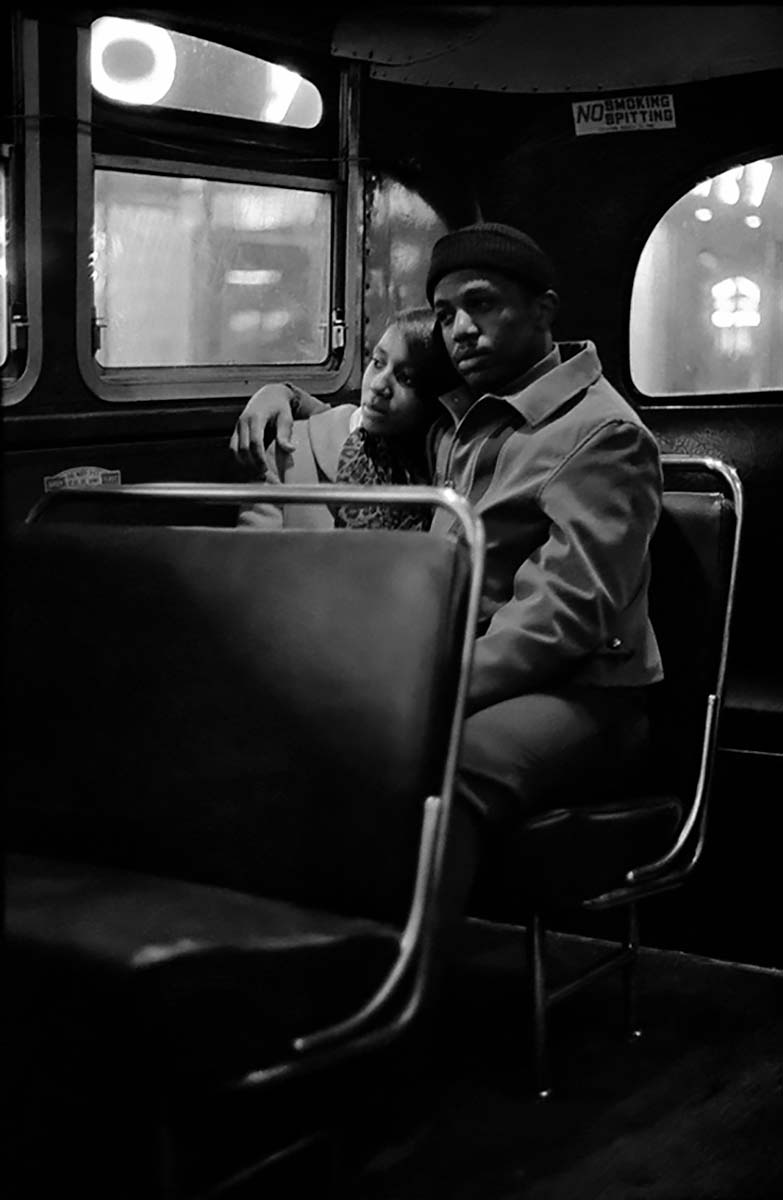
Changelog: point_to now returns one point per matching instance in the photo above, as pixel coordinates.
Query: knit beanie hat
(495, 247)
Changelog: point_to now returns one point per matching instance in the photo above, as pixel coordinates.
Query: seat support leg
(536, 952)
(631, 944)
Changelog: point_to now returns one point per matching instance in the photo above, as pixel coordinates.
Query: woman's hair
(434, 373)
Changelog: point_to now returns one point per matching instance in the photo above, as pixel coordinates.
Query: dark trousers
(529, 754)
(533, 752)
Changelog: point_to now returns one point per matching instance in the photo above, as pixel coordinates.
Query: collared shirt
(567, 480)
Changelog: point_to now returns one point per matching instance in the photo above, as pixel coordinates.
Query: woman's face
(390, 403)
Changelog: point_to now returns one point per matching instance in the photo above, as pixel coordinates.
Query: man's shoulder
(603, 402)
(594, 416)
(592, 408)
(604, 422)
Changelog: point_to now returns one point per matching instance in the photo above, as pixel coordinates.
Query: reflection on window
(707, 303)
(3, 270)
(198, 272)
(133, 62)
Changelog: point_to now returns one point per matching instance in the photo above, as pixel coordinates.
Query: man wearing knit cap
(567, 480)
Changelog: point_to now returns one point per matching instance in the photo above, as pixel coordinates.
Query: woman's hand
(266, 416)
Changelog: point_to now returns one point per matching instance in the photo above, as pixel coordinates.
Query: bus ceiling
(560, 48)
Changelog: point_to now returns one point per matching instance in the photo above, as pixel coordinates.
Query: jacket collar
(567, 369)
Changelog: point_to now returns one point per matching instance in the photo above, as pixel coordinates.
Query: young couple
(567, 480)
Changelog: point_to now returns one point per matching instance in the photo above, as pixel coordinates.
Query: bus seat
(607, 852)
(231, 760)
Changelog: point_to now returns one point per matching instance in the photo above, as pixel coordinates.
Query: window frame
(23, 206)
(140, 385)
(676, 191)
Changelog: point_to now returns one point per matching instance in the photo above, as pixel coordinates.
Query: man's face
(493, 328)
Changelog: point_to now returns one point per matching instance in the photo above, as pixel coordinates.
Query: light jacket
(567, 479)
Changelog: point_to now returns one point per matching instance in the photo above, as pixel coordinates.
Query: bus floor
(693, 1110)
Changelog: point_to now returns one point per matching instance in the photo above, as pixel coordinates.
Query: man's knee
(525, 754)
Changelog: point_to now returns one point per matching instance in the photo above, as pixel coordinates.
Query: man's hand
(266, 416)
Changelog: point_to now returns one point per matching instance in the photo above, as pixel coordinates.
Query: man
(567, 480)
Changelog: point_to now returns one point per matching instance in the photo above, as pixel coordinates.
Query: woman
(383, 440)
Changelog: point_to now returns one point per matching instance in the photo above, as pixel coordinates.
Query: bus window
(707, 302)
(216, 190)
(194, 271)
(20, 215)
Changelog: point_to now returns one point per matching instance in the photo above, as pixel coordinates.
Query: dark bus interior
(642, 146)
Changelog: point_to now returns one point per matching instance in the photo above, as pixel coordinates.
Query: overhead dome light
(131, 61)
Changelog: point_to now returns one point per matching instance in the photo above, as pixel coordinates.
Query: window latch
(338, 330)
(17, 334)
(96, 328)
